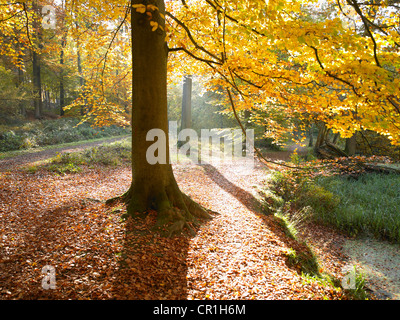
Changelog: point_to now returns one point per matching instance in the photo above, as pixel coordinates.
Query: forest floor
(61, 221)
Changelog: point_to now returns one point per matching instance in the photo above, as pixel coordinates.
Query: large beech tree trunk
(153, 185)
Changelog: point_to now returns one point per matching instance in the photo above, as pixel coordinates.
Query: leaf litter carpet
(47, 219)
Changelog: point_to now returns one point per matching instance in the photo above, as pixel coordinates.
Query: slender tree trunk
(335, 138)
(20, 81)
(186, 122)
(62, 90)
(246, 117)
(63, 44)
(47, 99)
(351, 145)
(186, 112)
(81, 80)
(311, 136)
(153, 185)
(80, 72)
(37, 85)
(62, 97)
(36, 76)
(322, 131)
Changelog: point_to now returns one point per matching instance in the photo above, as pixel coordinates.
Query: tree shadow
(303, 259)
(243, 196)
(151, 265)
(46, 237)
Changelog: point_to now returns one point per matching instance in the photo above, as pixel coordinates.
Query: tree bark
(351, 145)
(186, 122)
(37, 85)
(81, 80)
(20, 81)
(62, 89)
(153, 185)
(335, 138)
(36, 72)
(311, 136)
(322, 131)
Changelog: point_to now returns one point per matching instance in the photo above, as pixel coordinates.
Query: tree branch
(201, 48)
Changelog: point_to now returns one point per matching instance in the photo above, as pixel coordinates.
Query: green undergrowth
(366, 204)
(299, 256)
(112, 154)
(35, 134)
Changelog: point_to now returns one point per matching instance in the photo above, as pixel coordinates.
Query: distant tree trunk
(351, 145)
(47, 99)
(335, 138)
(322, 132)
(62, 90)
(63, 44)
(62, 98)
(311, 136)
(81, 80)
(246, 118)
(36, 68)
(186, 122)
(37, 85)
(20, 81)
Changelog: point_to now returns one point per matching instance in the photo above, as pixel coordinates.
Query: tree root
(121, 198)
(172, 206)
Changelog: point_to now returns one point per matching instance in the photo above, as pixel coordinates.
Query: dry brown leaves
(47, 219)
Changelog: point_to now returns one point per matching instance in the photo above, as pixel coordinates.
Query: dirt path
(286, 153)
(24, 159)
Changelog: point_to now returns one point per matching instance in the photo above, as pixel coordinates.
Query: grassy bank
(111, 154)
(368, 204)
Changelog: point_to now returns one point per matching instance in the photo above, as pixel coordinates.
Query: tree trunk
(153, 185)
(351, 145)
(335, 138)
(311, 136)
(81, 80)
(322, 131)
(62, 90)
(20, 81)
(246, 117)
(36, 72)
(62, 97)
(186, 122)
(37, 85)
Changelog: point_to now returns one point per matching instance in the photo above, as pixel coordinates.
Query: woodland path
(240, 254)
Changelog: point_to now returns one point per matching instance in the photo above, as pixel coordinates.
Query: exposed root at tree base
(173, 215)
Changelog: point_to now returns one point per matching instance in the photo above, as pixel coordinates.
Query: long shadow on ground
(151, 266)
(305, 261)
